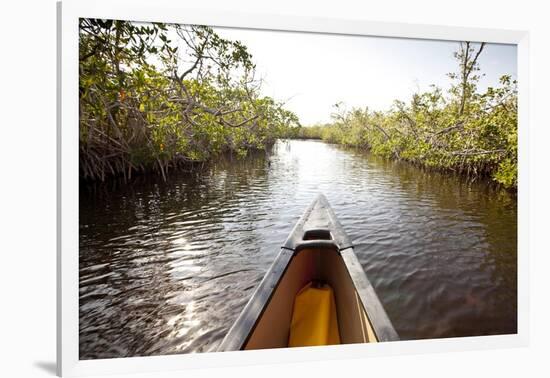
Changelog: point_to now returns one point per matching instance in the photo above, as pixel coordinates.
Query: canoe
(317, 255)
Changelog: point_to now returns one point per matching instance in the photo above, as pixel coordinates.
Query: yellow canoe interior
(314, 320)
(340, 307)
(272, 330)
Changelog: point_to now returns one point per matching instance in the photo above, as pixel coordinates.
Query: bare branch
(472, 152)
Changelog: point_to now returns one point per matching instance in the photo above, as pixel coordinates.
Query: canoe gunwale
(318, 218)
(240, 332)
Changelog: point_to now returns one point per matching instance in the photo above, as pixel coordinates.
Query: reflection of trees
(494, 208)
(489, 213)
(134, 299)
(185, 190)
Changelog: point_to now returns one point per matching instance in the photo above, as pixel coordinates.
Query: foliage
(463, 131)
(155, 96)
(309, 132)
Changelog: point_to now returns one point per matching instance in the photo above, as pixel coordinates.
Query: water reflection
(167, 267)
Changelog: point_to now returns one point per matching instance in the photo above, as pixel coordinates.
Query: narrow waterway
(166, 267)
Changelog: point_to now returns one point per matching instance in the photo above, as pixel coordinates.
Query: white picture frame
(68, 363)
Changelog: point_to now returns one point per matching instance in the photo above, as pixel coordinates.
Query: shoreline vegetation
(156, 97)
(462, 131)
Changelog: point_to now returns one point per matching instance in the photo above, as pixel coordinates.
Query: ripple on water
(167, 267)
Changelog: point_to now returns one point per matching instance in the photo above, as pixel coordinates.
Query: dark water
(167, 267)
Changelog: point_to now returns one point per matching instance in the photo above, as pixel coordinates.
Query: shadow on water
(166, 267)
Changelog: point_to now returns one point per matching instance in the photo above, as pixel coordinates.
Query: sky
(311, 72)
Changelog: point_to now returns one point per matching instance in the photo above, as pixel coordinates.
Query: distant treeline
(156, 96)
(462, 131)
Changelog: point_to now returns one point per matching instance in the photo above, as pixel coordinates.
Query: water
(166, 268)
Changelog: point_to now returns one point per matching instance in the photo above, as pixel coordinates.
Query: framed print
(238, 189)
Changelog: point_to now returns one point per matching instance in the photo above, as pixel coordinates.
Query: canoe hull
(317, 249)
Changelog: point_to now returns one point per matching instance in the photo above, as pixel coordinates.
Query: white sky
(312, 72)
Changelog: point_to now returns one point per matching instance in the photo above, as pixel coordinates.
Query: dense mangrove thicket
(462, 130)
(156, 96)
